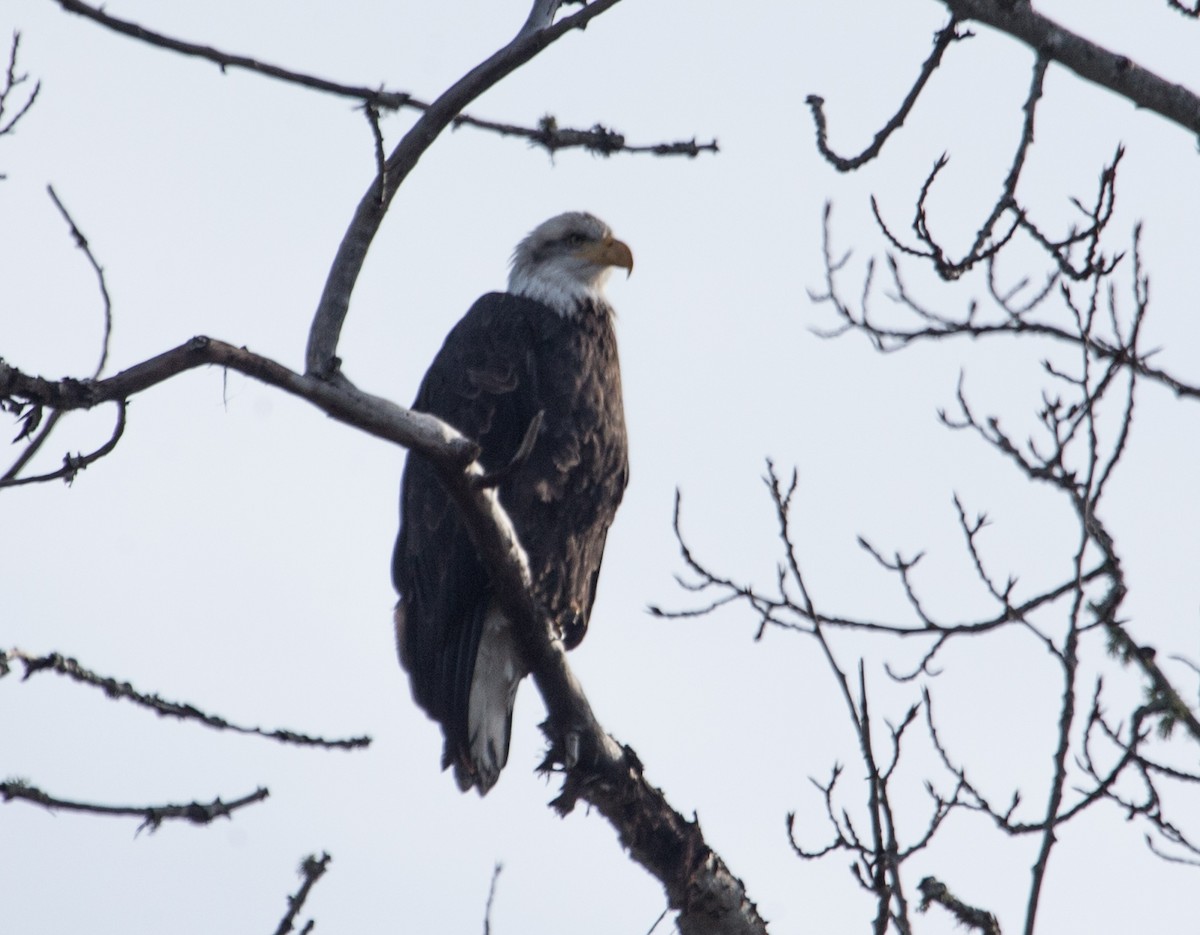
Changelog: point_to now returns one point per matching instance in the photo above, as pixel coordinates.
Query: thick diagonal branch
(1119, 73)
(600, 772)
(320, 357)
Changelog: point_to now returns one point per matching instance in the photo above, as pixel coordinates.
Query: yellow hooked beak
(609, 252)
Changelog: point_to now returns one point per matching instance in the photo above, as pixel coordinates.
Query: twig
(662, 915)
(54, 662)
(1192, 12)
(487, 912)
(12, 81)
(312, 869)
(986, 244)
(72, 464)
(969, 324)
(934, 891)
(378, 98)
(941, 42)
(82, 243)
(152, 815)
(372, 112)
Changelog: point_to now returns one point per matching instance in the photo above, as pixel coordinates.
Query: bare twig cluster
(878, 854)
(1083, 429)
(1049, 42)
(878, 851)
(12, 109)
(1012, 310)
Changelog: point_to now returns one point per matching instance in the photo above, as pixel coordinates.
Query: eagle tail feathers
(498, 671)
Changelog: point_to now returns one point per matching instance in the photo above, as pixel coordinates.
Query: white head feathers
(566, 260)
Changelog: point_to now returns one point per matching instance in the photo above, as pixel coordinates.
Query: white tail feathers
(498, 672)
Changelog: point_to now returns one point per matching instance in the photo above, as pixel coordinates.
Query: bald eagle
(538, 362)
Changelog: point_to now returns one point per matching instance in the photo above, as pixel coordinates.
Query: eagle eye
(575, 239)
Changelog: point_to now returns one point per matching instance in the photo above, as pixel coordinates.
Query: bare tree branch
(941, 42)
(987, 242)
(1192, 12)
(934, 891)
(72, 464)
(546, 134)
(55, 662)
(1076, 453)
(82, 243)
(12, 81)
(372, 414)
(312, 869)
(386, 99)
(152, 815)
(321, 355)
(1009, 320)
(1092, 62)
(541, 15)
(780, 610)
(487, 912)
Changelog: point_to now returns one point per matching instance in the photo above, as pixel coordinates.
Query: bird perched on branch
(532, 375)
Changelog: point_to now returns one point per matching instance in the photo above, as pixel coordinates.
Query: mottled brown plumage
(508, 359)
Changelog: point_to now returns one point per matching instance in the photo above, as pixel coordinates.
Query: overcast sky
(234, 551)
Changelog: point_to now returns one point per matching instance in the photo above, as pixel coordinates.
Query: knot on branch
(599, 139)
(934, 891)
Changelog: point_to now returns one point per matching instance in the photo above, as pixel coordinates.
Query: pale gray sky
(233, 552)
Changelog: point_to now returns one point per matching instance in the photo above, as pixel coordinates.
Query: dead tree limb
(597, 770)
(65, 666)
(1092, 62)
(547, 134)
(152, 815)
(321, 355)
(311, 869)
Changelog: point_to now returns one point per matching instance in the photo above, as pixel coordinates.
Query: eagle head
(565, 261)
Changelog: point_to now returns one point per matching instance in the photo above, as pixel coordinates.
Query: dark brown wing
(565, 496)
(483, 383)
